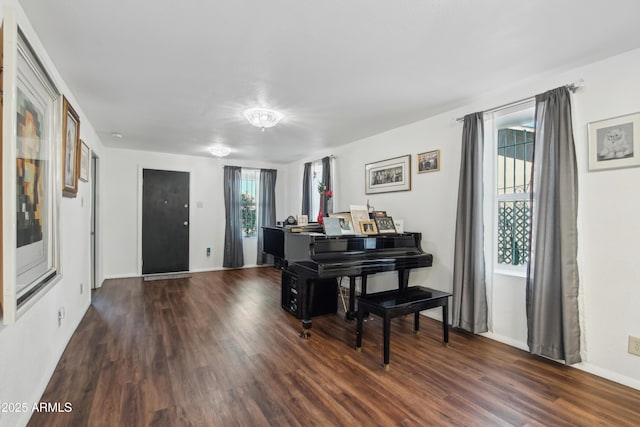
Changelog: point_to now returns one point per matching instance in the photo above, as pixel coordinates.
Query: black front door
(165, 221)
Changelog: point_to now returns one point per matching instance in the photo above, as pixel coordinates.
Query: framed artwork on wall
(70, 149)
(429, 161)
(615, 142)
(84, 161)
(31, 224)
(388, 175)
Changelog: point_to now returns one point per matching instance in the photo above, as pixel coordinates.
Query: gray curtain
(266, 209)
(306, 183)
(469, 287)
(552, 275)
(326, 203)
(233, 256)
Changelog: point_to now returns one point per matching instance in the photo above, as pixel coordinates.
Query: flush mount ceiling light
(219, 150)
(262, 117)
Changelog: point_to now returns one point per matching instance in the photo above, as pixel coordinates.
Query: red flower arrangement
(322, 189)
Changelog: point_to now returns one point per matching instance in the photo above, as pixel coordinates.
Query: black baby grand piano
(311, 262)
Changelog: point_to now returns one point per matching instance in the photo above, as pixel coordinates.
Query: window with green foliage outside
(248, 203)
(514, 163)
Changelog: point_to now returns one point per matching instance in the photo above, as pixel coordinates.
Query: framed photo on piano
(388, 175)
(368, 227)
(345, 222)
(385, 225)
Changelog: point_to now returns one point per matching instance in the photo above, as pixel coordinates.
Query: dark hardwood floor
(217, 350)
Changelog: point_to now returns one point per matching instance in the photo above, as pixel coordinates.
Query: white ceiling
(174, 76)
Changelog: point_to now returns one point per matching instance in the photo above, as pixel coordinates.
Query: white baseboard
(122, 276)
(205, 270)
(583, 366)
(195, 270)
(604, 373)
(506, 340)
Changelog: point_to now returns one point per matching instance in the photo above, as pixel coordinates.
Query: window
(249, 202)
(512, 135)
(314, 196)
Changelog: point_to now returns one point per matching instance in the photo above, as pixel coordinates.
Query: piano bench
(400, 302)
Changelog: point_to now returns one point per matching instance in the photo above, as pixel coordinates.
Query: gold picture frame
(368, 227)
(70, 149)
(429, 161)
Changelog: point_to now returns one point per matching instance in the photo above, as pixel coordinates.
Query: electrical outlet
(61, 314)
(634, 345)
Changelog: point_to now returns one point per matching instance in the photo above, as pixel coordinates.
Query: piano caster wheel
(304, 334)
(445, 344)
(386, 366)
(359, 349)
(416, 332)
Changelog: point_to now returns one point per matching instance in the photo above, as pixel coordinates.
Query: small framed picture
(614, 143)
(344, 221)
(84, 161)
(303, 219)
(378, 214)
(368, 227)
(385, 225)
(331, 226)
(359, 213)
(429, 161)
(70, 149)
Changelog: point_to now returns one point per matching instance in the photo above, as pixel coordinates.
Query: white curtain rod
(571, 86)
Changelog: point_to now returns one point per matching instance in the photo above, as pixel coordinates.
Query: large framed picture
(615, 142)
(388, 175)
(70, 149)
(31, 224)
(429, 161)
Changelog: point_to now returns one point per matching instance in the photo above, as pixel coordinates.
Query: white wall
(610, 273)
(122, 170)
(31, 347)
(608, 210)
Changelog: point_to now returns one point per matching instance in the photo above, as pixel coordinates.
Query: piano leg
(403, 279)
(307, 304)
(351, 314)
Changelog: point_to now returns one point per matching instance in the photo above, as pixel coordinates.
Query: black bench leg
(359, 330)
(387, 340)
(445, 323)
(416, 322)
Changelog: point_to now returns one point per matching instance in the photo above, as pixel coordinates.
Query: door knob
(186, 223)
